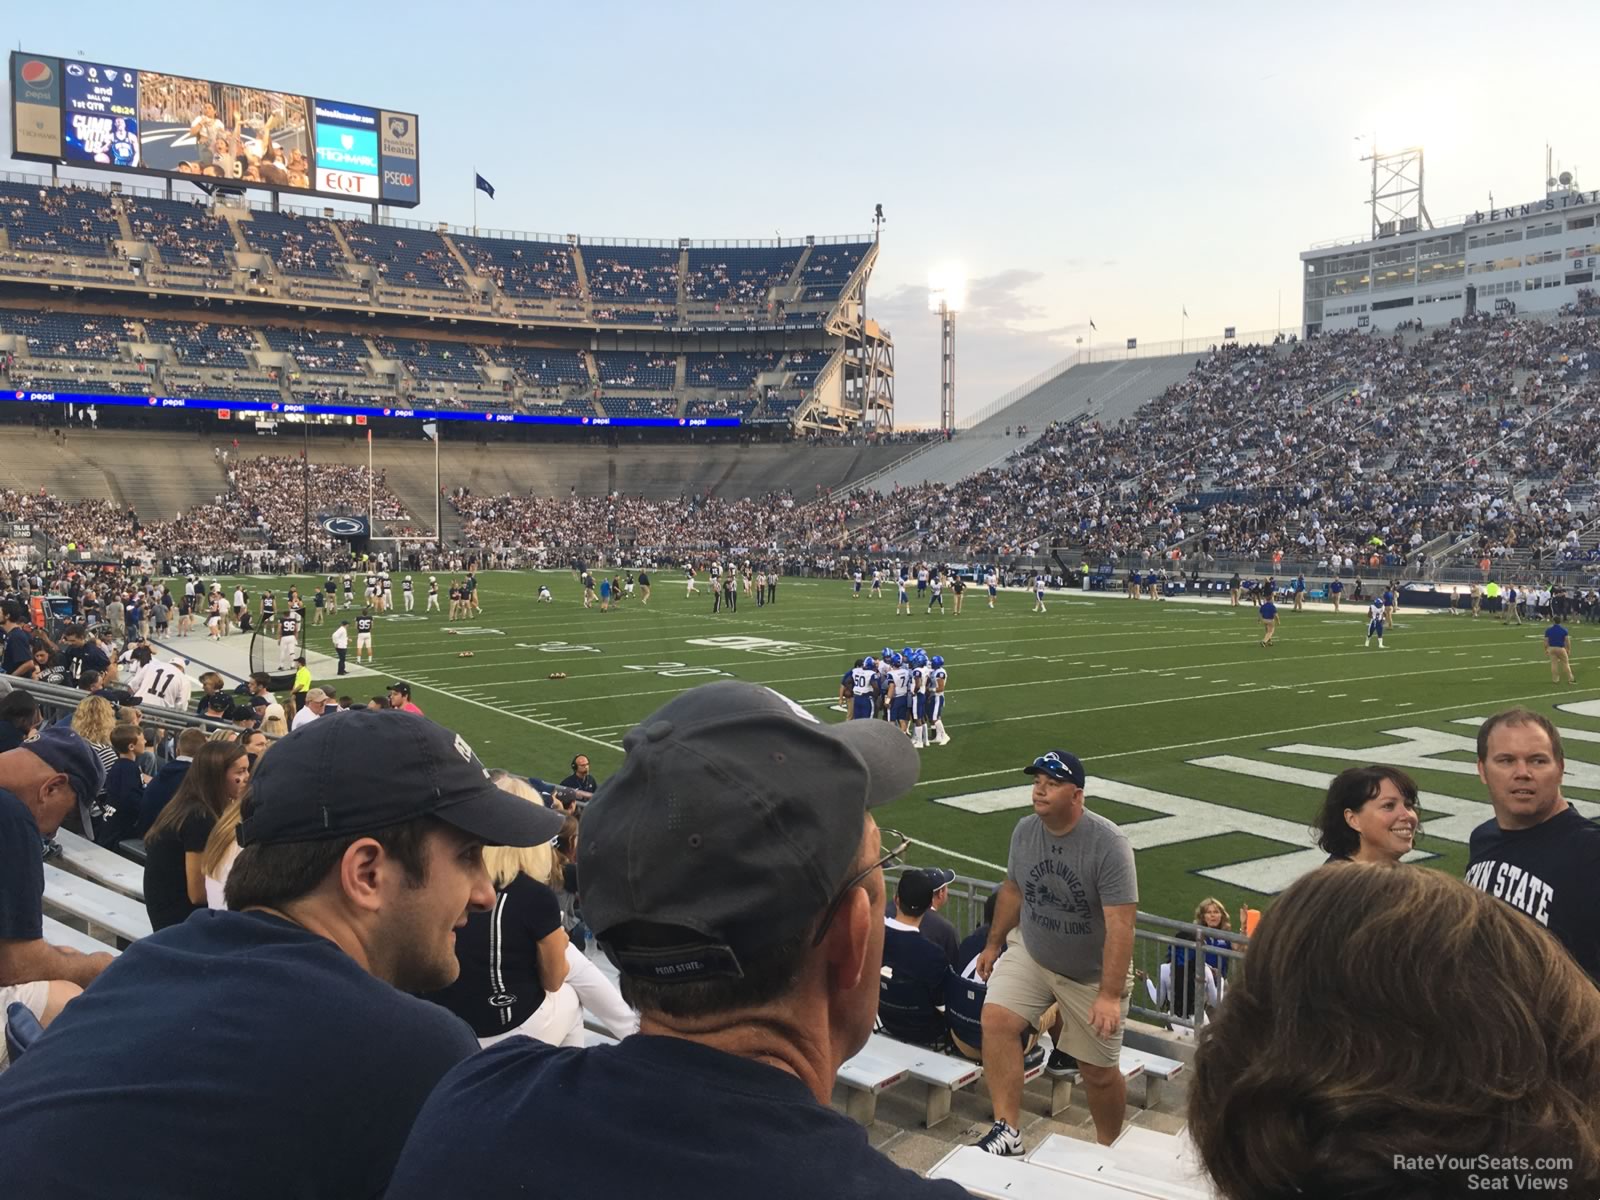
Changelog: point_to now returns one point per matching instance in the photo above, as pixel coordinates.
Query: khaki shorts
(34, 995)
(1022, 986)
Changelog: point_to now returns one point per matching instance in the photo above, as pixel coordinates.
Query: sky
(1114, 164)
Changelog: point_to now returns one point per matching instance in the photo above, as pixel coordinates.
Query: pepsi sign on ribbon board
(179, 127)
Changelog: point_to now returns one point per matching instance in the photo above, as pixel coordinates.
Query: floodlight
(947, 289)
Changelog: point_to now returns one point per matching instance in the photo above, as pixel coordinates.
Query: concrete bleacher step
(101, 909)
(1157, 1070)
(58, 933)
(99, 865)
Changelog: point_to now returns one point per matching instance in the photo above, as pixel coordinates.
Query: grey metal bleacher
(99, 865)
(942, 1075)
(57, 933)
(1150, 1173)
(1157, 1070)
(97, 907)
(985, 1174)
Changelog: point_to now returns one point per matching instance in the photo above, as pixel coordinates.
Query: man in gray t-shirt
(1064, 922)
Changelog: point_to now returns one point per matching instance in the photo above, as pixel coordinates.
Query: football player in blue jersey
(1336, 592)
(1375, 623)
(936, 691)
(1269, 620)
(919, 699)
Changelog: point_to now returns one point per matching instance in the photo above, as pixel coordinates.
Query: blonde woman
(273, 722)
(222, 847)
(93, 721)
(514, 957)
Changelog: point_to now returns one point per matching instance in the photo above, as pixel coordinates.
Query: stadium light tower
(947, 295)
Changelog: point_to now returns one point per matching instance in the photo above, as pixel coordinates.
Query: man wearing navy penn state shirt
(1537, 854)
(273, 1046)
(732, 871)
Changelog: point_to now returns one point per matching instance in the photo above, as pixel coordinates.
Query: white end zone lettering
(760, 645)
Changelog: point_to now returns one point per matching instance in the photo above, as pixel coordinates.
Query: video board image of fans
(180, 127)
(196, 127)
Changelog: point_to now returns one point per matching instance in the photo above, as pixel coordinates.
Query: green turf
(1139, 689)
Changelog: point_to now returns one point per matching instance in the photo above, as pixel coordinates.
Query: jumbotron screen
(97, 115)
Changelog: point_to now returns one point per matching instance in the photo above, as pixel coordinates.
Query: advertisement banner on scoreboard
(347, 150)
(84, 112)
(36, 105)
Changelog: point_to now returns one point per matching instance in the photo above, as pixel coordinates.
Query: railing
(1157, 941)
(56, 701)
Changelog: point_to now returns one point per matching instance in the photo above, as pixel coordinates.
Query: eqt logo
(342, 181)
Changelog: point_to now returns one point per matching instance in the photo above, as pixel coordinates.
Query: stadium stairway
(157, 475)
(1107, 391)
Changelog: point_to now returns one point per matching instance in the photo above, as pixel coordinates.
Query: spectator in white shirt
(316, 701)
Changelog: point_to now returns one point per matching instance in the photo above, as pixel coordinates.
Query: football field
(1210, 751)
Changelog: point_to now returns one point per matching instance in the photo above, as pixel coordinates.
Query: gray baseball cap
(733, 821)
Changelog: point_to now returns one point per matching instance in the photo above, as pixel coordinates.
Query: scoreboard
(100, 115)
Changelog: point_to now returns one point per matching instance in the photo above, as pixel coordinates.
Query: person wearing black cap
(732, 871)
(400, 697)
(1065, 922)
(40, 783)
(274, 1045)
(911, 987)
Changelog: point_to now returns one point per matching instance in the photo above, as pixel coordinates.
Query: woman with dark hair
(19, 717)
(1369, 815)
(174, 871)
(1389, 1022)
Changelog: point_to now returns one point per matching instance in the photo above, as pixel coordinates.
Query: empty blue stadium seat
(404, 257)
(738, 275)
(64, 220)
(636, 370)
(540, 269)
(183, 234)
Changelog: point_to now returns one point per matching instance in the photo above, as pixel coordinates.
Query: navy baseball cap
(1060, 765)
(939, 877)
(371, 770)
(915, 893)
(64, 750)
(732, 823)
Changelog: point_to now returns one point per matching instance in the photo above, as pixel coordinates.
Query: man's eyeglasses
(888, 837)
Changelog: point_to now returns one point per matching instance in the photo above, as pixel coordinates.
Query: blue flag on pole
(483, 185)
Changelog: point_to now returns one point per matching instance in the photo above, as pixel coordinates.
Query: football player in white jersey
(855, 689)
(1375, 623)
(877, 582)
(1038, 593)
(919, 700)
(936, 593)
(410, 594)
(855, 591)
(433, 593)
(936, 686)
(903, 604)
(992, 581)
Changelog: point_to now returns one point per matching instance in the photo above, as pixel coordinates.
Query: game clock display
(113, 117)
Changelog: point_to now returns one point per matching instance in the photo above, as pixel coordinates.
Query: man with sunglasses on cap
(274, 1046)
(40, 783)
(732, 871)
(1064, 920)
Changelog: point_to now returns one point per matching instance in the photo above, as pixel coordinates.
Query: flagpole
(474, 201)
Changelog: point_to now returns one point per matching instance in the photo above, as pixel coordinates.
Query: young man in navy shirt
(733, 872)
(273, 1046)
(911, 988)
